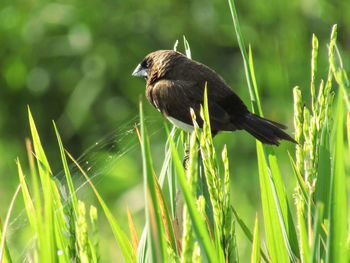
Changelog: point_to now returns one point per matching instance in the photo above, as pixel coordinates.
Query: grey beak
(140, 71)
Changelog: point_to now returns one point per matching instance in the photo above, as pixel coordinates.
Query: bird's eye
(146, 63)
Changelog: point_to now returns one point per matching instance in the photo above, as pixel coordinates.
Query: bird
(175, 84)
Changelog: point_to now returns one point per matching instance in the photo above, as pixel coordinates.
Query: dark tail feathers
(264, 130)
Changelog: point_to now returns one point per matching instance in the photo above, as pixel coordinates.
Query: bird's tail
(264, 130)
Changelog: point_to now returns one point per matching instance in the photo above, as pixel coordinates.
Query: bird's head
(144, 68)
(155, 65)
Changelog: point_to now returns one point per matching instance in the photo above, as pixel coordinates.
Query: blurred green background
(71, 61)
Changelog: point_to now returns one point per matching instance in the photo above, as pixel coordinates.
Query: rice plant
(192, 219)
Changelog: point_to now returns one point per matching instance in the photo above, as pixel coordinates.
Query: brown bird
(176, 83)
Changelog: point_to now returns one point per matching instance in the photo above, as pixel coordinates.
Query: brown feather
(175, 84)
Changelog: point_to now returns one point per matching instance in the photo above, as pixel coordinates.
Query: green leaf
(250, 82)
(5, 256)
(153, 216)
(317, 230)
(299, 178)
(48, 251)
(282, 206)
(247, 231)
(323, 182)
(275, 205)
(198, 224)
(274, 236)
(28, 202)
(119, 234)
(4, 253)
(187, 48)
(169, 229)
(338, 226)
(73, 197)
(348, 129)
(256, 243)
(303, 233)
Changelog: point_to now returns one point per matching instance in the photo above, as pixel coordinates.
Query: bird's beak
(140, 71)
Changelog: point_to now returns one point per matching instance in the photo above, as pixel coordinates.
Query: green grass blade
(142, 255)
(267, 163)
(168, 171)
(48, 245)
(323, 182)
(187, 48)
(39, 226)
(119, 234)
(197, 221)
(256, 243)
(153, 216)
(188, 235)
(3, 246)
(270, 173)
(73, 204)
(53, 226)
(282, 206)
(169, 229)
(299, 178)
(28, 202)
(59, 225)
(247, 232)
(276, 183)
(253, 95)
(348, 129)
(38, 149)
(274, 237)
(73, 198)
(317, 236)
(283, 210)
(212, 174)
(6, 257)
(252, 77)
(303, 232)
(338, 227)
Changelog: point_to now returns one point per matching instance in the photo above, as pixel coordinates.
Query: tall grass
(194, 219)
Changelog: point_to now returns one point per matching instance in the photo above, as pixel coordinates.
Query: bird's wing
(174, 98)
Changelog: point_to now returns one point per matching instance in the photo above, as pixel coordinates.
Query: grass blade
(187, 48)
(48, 242)
(168, 225)
(132, 229)
(197, 221)
(73, 197)
(317, 230)
(256, 243)
(119, 234)
(169, 171)
(28, 202)
(248, 233)
(6, 257)
(299, 178)
(338, 227)
(38, 149)
(282, 206)
(274, 237)
(303, 232)
(3, 246)
(253, 95)
(324, 180)
(153, 216)
(268, 167)
(348, 129)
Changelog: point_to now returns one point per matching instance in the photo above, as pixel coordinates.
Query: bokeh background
(71, 61)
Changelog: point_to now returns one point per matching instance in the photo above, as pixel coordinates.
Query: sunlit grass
(194, 220)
